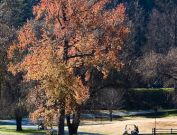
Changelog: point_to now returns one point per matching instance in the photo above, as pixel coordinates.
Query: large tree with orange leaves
(66, 34)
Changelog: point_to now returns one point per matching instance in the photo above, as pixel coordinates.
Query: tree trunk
(18, 122)
(68, 119)
(73, 127)
(61, 121)
(76, 121)
(110, 114)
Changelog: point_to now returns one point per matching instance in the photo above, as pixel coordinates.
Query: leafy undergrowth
(10, 130)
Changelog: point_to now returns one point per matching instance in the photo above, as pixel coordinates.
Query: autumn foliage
(66, 34)
(58, 88)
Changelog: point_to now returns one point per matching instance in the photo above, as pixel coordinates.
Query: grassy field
(153, 89)
(160, 114)
(10, 130)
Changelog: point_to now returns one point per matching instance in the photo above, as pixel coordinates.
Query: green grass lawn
(153, 89)
(10, 130)
(159, 114)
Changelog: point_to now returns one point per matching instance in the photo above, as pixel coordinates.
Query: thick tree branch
(170, 76)
(82, 55)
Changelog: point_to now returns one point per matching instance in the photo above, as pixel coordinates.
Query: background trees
(134, 44)
(163, 65)
(161, 39)
(110, 99)
(162, 27)
(15, 12)
(12, 15)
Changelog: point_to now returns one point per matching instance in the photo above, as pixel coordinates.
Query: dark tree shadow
(7, 123)
(85, 133)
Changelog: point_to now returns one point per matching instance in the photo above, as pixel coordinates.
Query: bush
(145, 98)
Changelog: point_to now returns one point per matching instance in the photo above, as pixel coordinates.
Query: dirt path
(117, 127)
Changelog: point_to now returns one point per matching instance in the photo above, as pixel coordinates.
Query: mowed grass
(154, 89)
(160, 114)
(10, 130)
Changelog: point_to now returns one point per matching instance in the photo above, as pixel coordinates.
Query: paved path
(27, 122)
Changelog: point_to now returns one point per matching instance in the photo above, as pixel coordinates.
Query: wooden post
(154, 131)
(155, 126)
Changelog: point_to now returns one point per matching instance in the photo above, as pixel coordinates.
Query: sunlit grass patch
(153, 89)
(10, 130)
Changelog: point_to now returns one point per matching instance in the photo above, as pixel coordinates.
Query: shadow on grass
(6, 123)
(87, 133)
(84, 133)
(81, 133)
(8, 130)
(31, 131)
(159, 134)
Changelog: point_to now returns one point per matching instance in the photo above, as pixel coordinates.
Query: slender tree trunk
(76, 121)
(61, 121)
(18, 123)
(175, 27)
(18, 118)
(110, 114)
(73, 127)
(68, 119)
